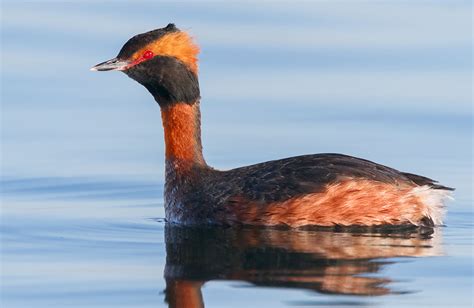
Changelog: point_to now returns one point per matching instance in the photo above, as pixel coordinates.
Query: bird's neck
(184, 293)
(182, 129)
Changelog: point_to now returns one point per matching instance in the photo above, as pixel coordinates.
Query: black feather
(283, 179)
(141, 40)
(167, 79)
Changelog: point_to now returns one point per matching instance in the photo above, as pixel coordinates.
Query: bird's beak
(111, 65)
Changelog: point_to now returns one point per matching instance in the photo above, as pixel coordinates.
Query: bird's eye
(148, 54)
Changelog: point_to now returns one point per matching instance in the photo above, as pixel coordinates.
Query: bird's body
(321, 190)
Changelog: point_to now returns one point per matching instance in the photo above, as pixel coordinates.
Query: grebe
(326, 190)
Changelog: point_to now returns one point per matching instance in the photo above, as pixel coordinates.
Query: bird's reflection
(326, 262)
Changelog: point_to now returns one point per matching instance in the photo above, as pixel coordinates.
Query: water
(82, 153)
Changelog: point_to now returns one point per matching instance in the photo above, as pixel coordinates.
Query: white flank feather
(434, 200)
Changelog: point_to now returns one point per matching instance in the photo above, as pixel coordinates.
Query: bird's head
(164, 61)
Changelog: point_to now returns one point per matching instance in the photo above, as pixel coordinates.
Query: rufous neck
(182, 129)
(184, 294)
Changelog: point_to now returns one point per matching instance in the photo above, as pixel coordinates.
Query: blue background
(82, 152)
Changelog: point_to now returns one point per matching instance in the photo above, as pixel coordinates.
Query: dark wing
(283, 179)
(421, 180)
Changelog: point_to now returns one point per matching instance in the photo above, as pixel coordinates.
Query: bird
(323, 190)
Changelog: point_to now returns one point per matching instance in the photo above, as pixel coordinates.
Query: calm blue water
(82, 153)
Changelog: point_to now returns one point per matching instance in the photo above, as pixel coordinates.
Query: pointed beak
(111, 65)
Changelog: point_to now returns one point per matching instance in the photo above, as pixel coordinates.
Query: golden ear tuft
(175, 44)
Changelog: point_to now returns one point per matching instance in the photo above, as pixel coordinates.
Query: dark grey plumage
(280, 180)
(207, 193)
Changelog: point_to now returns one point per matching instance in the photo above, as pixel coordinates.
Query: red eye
(148, 54)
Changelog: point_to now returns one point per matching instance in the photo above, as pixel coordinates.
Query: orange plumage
(352, 202)
(176, 44)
